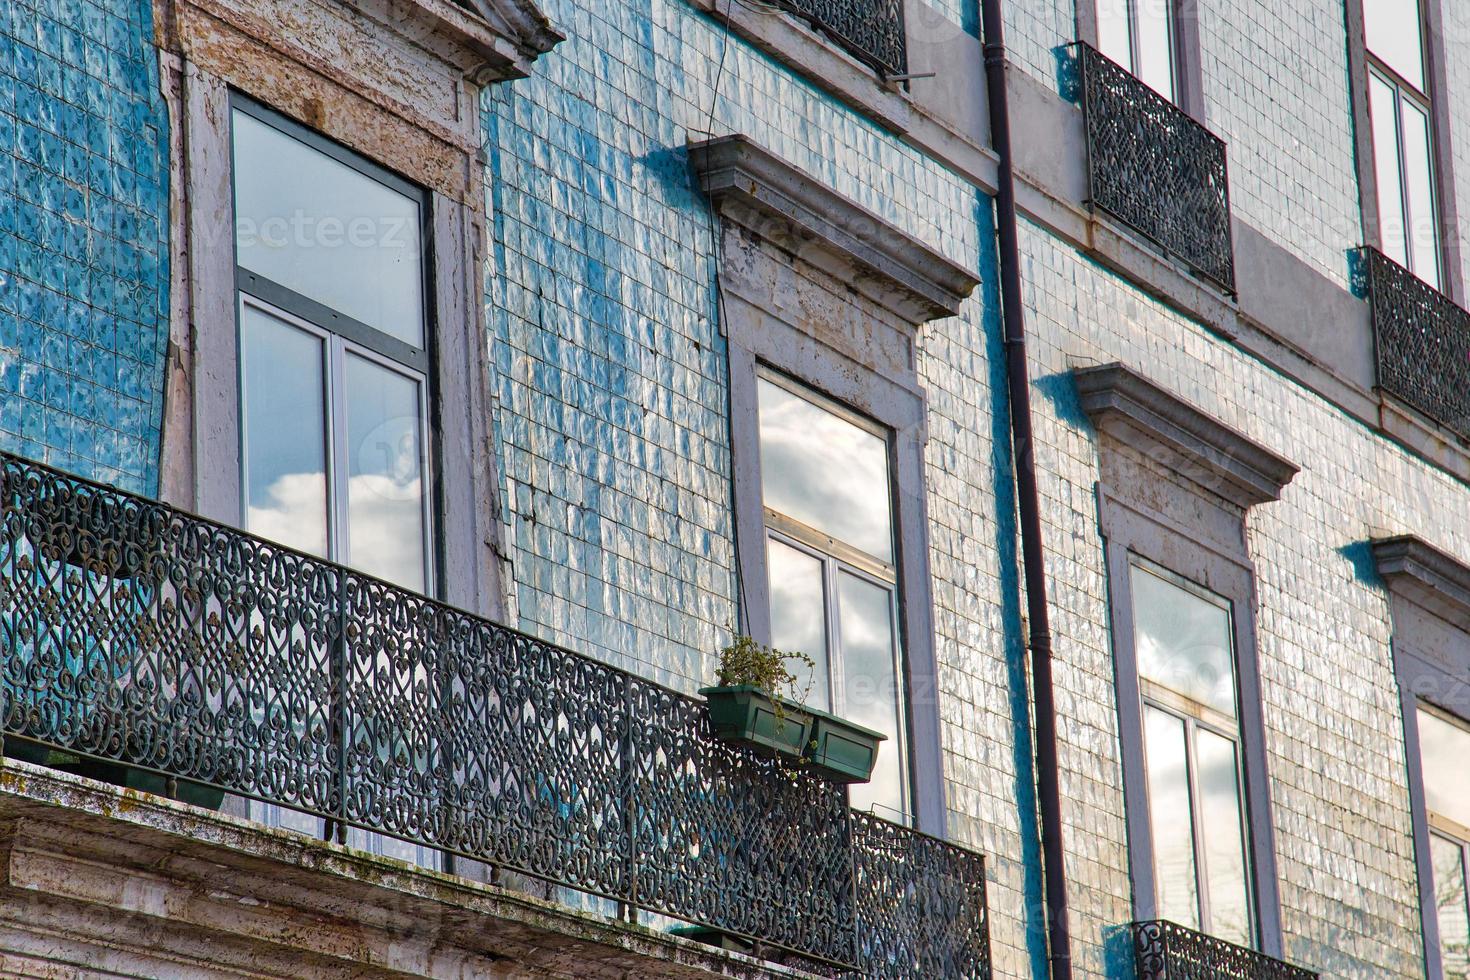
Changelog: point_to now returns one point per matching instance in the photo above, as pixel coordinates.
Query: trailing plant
(746, 662)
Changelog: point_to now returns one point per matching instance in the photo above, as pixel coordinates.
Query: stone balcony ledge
(94, 878)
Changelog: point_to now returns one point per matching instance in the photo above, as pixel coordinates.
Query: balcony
(1156, 169)
(1165, 951)
(1421, 341)
(138, 636)
(870, 30)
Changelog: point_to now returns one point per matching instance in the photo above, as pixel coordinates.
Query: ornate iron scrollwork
(1421, 340)
(1156, 169)
(1165, 951)
(872, 30)
(134, 633)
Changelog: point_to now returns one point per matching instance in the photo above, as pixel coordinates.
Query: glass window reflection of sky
(824, 471)
(1444, 751)
(1183, 641)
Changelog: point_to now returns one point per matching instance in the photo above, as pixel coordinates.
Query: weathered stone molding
(758, 190)
(1138, 413)
(95, 878)
(1416, 570)
(519, 32)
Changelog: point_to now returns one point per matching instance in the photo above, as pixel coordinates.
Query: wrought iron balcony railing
(1156, 169)
(1421, 341)
(1165, 951)
(871, 30)
(133, 633)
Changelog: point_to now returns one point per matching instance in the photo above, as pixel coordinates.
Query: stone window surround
(816, 287)
(1451, 274)
(409, 105)
(1193, 526)
(1429, 602)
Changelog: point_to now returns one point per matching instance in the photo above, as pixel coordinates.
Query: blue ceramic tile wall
(83, 237)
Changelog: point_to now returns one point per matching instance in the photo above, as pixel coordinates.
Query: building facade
(560, 342)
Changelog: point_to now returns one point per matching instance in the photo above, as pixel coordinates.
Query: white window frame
(350, 336)
(837, 557)
(1364, 66)
(1443, 827)
(335, 350)
(1195, 716)
(1404, 92)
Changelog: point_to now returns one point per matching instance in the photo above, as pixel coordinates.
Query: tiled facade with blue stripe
(83, 237)
(608, 381)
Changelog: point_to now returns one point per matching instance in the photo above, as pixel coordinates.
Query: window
(830, 559)
(332, 359)
(1141, 35)
(1399, 111)
(333, 387)
(1175, 486)
(1192, 754)
(1444, 745)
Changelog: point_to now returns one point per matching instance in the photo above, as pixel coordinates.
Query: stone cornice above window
(1426, 576)
(498, 39)
(1158, 423)
(519, 33)
(794, 211)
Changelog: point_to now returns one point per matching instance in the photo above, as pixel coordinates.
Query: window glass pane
(1448, 858)
(799, 618)
(1444, 748)
(314, 225)
(1423, 228)
(1222, 827)
(1156, 47)
(1169, 817)
(1113, 38)
(284, 430)
(1391, 31)
(385, 480)
(1183, 641)
(1382, 107)
(870, 691)
(824, 471)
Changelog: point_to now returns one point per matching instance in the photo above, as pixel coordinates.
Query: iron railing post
(338, 708)
(630, 804)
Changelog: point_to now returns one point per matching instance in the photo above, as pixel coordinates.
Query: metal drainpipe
(1048, 786)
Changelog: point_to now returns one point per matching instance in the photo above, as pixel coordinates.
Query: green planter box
(745, 714)
(842, 751)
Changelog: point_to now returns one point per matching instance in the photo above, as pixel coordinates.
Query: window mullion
(1465, 874)
(1135, 51)
(1405, 204)
(337, 462)
(1196, 826)
(836, 681)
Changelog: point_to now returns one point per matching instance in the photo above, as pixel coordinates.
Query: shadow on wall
(1007, 540)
